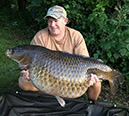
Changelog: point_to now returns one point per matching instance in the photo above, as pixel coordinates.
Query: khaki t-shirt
(73, 41)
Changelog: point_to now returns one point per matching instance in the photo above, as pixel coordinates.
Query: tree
(22, 5)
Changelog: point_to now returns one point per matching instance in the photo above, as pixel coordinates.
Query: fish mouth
(8, 53)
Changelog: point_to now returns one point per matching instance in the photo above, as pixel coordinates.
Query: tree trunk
(21, 5)
(6, 3)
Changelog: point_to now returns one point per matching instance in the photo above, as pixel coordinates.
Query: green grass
(10, 36)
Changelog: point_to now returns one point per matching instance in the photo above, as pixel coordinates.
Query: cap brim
(50, 16)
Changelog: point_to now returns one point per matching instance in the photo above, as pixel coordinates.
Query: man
(57, 36)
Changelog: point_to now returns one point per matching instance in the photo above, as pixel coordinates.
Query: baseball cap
(56, 12)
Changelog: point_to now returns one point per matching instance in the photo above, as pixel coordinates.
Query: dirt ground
(120, 98)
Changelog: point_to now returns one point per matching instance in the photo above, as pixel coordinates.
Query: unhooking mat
(22, 103)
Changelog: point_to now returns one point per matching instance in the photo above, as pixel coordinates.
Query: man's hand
(25, 74)
(94, 79)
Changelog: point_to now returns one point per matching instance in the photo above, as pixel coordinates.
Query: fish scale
(62, 88)
(60, 73)
(71, 91)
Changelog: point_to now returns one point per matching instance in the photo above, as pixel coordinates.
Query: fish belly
(49, 84)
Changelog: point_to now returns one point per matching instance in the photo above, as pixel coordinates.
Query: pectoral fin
(61, 101)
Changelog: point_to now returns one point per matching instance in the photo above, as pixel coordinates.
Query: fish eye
(18, 49)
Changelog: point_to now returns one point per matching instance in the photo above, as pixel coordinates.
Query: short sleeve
(80, 47)
(39, 38)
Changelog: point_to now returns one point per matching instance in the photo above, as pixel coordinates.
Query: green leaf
(112, 59)
(107, 45)
(96, 55)
(127, 46)
(109, 54)
(66, 6)
(123, 52)
(116, 55)
(127, 40)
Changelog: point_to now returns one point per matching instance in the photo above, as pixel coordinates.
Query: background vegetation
(103, 23)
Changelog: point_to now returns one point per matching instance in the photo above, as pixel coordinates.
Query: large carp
(62, 74)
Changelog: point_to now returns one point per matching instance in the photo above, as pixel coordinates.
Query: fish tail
(115, 79)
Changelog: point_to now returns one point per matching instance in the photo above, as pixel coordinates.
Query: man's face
(56, 26)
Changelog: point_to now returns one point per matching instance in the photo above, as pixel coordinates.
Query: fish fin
(97, 60)
(61, 101)
(116, 78)
(14, 69)
(100, 60)
(113, 86)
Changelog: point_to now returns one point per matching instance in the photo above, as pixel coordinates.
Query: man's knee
(94, 91)
(26, 85)
(97, 86)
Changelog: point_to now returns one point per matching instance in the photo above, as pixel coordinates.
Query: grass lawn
(10, 36)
